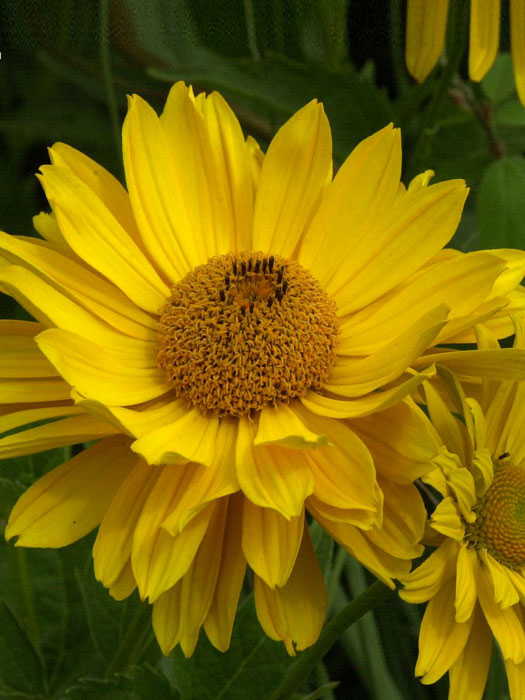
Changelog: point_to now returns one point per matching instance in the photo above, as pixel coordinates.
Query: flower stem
(133, 643)
(302, 668)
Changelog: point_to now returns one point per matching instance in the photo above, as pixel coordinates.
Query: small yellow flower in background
(240, 334)
(475, 579)
(426, 29)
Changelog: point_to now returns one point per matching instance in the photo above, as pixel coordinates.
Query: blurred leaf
(511, 113)
(250, 670)
(498, 84)
(21, 667)
(364, 645)
(501, 204)
(275, 88)
(323, 546)
(138, 683)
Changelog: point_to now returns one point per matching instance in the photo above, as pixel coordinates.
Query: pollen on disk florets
(500, 515)
(244, 331)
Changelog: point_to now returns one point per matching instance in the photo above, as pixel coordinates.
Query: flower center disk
(244, 331)
(500, 518)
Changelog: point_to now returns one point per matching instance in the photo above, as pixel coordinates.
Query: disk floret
(244, 331)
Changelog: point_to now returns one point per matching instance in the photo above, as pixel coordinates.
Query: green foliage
(501, 204)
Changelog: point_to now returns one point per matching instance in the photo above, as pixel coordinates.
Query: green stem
(249, 16)
(129, 651)
(26, 591)
(301, 670)
(105, 62)
(457, 27)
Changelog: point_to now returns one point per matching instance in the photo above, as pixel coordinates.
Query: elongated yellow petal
(447, 425)
(441, 638)
(353, 377)
(20, 357)
(272, 476)
(466, 593)
(462, 283)
(270, 543)
(112, 548)
(506, 363)
(67, 431)
(98, 374)
(517, 45)
(425, 581)
(363, 406)
(484, 36)
(505, 593)
(70, 500)
(179, 613)
(91, 291)
(98, 238)
(425, 35)
(16, 419)
(125, 583)
(516, 679)
(293, 174)
(344, 227)
(47, 226)
(468, 675)
(401, 440)
(506, 624)
(294, 613)
(219, 620)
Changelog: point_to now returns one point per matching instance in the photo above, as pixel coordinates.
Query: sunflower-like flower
(426, 29)
(237, 332)
(475, 579)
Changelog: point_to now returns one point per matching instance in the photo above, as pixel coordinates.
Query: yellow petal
(179, 613)
(517, 45)
(294, 613)
(100, 181)
(462, 283)
(441, 638)
(53, 308)
(354, 377)
(344, 473)
(20, 357)
(14, 391)
(112, 548)
(446, 519)
(80, 284)
(124, 585)
(466, 593)
(98, 374)
(68, 431)
(70, 500)
(484, 36)
(17, 419)
(506, 363)
(202, 484)
(401, 440)
(219, 620)
(346, 224)
(425, 35)
(425, 581)
(450, 430)
(505, 593)
(408, 233)
(98, 238)
(282, 425)
(516, 679)
(293, 174)
(365, 405)
(270, 543)
(507, 625)
(190, 438)
(272, 476)
(468, 675)
(47, 226)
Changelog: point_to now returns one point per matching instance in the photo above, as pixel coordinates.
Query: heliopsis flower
(475, 579)
(227, 331)
(426, 29)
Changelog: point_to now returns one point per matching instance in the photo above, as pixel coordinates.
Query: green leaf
(250, 670)
(501, 204)
(498, 84)
(323, 546)
(21, 667)
(138, 683)
(511, 113)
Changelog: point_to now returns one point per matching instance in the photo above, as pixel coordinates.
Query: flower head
(228, 329)
(475, 579)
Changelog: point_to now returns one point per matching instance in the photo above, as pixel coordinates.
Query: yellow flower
(237, 331)
(426, 29)
(475, 579)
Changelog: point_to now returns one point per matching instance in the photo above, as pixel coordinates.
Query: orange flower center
(244, 331)
(500, 516)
